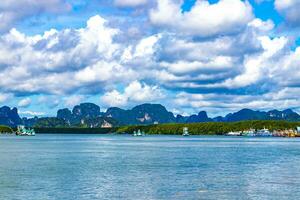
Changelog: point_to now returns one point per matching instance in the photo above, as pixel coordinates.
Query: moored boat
(234, 133)
(249, 133)
(138, 133)
(263, 133)
(185, 131)
(22, 131)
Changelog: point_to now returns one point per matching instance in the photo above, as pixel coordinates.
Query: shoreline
(203, 128)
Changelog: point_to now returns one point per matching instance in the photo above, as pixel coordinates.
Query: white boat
(185, 131)
(249, 133)
(263, 133)
(232, 133)
(22, 131)
(138, 133)
(259, 133)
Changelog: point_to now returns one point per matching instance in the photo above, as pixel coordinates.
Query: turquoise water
(71, 167)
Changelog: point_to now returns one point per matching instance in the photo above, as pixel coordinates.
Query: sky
(188, 55)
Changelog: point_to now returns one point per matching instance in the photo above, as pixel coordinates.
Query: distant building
(106, 125)
(298, 129)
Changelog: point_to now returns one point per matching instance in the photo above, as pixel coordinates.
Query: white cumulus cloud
(73, 100)
(12, 11)
(134, 92)
(24, 102)
(204, 19)
(290, 10)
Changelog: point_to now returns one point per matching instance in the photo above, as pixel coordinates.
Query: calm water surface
(71, 167)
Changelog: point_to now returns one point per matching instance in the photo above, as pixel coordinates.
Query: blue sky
(192, 55)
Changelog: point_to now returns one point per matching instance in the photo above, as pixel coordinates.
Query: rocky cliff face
(201, 117)
(85, 115)
(248, 114)
(122, 116)
(9, 117)
(152, 113)
(98, 122)
(142, 114)
(65, 114)
(86, 110)
(30, 122)
(79, 113)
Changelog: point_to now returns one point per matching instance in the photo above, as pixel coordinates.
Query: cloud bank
(206, 58)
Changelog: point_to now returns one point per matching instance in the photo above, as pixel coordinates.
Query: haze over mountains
(90, 115)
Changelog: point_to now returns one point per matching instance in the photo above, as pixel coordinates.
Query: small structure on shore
(285, 133)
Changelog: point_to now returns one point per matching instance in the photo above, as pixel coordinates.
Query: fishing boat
(138, 133)
(185, 131)
(22, 131)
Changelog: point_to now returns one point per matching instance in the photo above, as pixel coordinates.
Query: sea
(90, 167)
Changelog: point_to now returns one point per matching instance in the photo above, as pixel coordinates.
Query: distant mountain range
(90, 115)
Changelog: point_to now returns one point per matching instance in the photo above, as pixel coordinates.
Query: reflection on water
(152, 167)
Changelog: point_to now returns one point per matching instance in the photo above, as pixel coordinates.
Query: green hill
(6, 129)
(210, 128)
